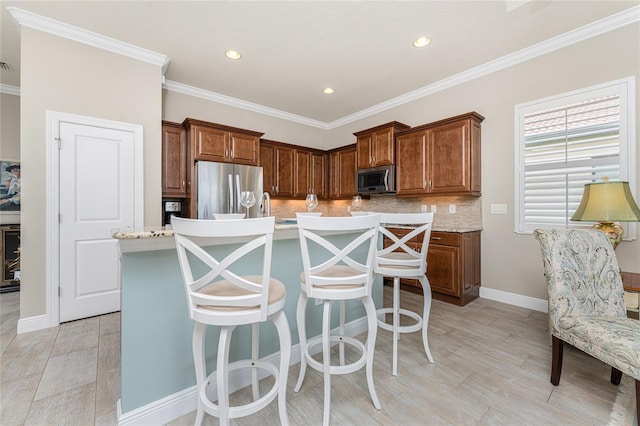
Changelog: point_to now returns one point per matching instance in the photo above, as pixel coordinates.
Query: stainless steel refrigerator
(220, 185)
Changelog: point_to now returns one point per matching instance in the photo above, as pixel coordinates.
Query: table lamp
(606, 202)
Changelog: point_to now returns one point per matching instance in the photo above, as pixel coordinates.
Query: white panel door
(96, 196)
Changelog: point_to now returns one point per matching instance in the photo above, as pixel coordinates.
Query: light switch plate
(498, 208)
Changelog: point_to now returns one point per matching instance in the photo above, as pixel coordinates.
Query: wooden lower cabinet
(453, 266)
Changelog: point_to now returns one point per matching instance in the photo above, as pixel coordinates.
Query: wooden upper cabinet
(342, 172)
(375, 146)
(302, 173)
(276, 159)
(216, 142)
(309, 173)
(319, 174)
(174, 160)
(441, 158)
(411, 163)
(268, 167)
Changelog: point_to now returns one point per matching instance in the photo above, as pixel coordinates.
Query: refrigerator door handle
(230, 194)
(238, 193)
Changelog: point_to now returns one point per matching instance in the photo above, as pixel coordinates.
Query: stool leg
(426, 290)
(255, 351)
(302, 334)
(199, 362)
(284, 333)
(341, 344)
(222, 374)
(396, 324)
(326, 360)
(372, 321)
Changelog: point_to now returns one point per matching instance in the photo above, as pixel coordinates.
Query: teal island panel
(156, 357)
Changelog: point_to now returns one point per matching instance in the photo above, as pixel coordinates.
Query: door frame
(54, 119)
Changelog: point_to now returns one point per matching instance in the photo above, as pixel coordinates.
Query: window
(566, 141)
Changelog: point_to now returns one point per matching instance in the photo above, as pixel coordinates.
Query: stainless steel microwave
(376, 180)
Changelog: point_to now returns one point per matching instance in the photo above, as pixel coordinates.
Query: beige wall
(9, 138)
(177, 106)
(510, 262)
(66, 76)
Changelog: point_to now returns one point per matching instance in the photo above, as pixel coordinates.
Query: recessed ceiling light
(421, 41)
(328, 90)
(232, 54)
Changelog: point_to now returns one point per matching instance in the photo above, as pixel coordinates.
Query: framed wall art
(9, 191)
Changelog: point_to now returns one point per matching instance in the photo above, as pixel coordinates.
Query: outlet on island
(452, 208)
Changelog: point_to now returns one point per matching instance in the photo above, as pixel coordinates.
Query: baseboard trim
(539, 305)
(27, 325)
(183, 402)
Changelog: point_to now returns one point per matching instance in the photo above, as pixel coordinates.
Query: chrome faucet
(266, 204)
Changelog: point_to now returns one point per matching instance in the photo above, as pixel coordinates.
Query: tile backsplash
(468, 209)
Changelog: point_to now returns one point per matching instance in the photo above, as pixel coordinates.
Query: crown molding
(208, 95)
(585, 32)
(51, 26)
(9, 90)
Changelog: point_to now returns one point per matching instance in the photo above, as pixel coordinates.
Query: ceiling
(292, 50)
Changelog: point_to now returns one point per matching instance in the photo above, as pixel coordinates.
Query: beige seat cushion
(336, 272)
(224, 288)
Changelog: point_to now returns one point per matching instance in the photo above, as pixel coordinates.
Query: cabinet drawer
(445, 238)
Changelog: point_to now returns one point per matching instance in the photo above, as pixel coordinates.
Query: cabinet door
(449, 158)
(284, 171)
(244, 149)
(347, 186)
(267, 160)
(364, 153)
(210, 144)
(383, 147)
(411, 178)
(443, 269)
(174, 161)
(334, 176)
(301, 173)
(319, 174)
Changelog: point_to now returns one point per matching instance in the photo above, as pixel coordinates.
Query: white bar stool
(222, 298)
(398, 260)
(332, 274)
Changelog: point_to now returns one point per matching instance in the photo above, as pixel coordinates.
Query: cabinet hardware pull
(436, 238)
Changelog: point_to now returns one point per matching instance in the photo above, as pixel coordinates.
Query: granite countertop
(161, 231)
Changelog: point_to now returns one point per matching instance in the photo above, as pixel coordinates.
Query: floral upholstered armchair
(586, 302)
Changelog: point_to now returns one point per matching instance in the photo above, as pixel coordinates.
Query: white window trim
(627, 87)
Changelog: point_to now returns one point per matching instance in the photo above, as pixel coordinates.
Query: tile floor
(492, 367)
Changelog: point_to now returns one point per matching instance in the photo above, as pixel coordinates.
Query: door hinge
(59, 291)
(59, 143)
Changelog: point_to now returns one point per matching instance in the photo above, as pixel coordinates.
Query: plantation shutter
(564, 148)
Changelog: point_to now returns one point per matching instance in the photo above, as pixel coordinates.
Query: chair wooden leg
(556, 360)
(372, 320)
(396, 324)
(199, 330)
(255, 350)
(284, 334)
(342, 320)
(222, 374)
(616, 376)
(426, 291)
(326, 361)
(302, 335)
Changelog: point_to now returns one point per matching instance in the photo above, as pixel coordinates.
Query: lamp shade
(607, 202)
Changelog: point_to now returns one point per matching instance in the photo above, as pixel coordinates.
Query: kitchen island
(158, 380)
